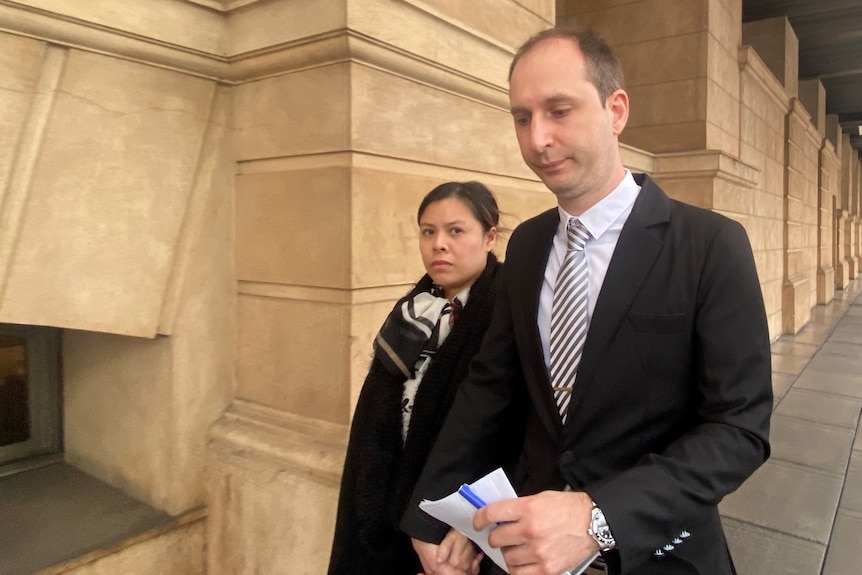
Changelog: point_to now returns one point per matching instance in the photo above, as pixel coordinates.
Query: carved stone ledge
(255, 440)
(316, 50)
(706, 163)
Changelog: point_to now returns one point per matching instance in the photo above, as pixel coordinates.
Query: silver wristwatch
(600, 531)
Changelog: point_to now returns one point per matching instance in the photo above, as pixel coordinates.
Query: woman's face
(453, 244)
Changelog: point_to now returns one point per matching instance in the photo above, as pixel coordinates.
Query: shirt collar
(598, 219)
(463, 295)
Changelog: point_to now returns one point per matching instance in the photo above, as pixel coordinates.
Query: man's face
(567, 135)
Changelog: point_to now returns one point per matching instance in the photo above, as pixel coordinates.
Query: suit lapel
(641, 240)
(533, 274)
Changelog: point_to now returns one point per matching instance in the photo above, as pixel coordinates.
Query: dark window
(29, 392)
(14, 391)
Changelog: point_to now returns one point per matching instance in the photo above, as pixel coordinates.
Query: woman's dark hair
(476, 196)
(603, 68)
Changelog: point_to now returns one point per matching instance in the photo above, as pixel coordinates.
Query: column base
(274, 480)
(796, 308)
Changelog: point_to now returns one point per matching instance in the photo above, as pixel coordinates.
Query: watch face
(600, 530)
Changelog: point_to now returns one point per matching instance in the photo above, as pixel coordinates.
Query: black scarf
(411, 329)
(379, 475)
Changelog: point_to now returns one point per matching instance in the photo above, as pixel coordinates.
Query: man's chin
(555, 182)
(558, 188)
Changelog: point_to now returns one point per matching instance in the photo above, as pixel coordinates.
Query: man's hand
(543, 534)
(455, 555)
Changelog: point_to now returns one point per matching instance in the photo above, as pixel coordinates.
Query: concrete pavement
(801, 513)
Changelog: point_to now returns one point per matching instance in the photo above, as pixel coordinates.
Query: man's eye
(522, 120)
(560, 112)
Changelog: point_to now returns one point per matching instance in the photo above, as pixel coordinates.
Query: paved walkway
(801, 513)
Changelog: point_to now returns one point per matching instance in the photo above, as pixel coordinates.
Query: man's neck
(580, 204)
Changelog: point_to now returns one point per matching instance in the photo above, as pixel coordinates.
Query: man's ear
(618, 105)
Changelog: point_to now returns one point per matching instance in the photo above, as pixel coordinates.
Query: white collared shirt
(604, 221)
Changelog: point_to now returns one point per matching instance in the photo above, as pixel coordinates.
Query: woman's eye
(455, 231)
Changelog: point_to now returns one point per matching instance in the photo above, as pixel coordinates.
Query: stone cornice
(332, 47)
(393, 60)
(749, 59)
(706, 163)
(798, 109)
(637, 160)
(19, 19)
(828, 147)
(376, 294)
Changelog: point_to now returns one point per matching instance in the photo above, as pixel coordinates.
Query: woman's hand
(455, 555)
(460, 552)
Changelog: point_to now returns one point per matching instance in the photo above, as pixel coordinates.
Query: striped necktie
(569, 316)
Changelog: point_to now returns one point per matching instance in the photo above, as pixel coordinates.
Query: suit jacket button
(568, 458)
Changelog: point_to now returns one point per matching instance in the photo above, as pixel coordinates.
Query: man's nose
(540, 134)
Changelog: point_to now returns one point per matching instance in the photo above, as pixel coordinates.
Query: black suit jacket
(671, 403)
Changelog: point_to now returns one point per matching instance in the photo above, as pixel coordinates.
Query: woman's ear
(490, 238)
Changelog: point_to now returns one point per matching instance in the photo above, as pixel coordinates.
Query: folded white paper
(457, 512)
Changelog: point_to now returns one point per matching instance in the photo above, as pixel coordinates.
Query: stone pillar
(778, 46)
(680, 66)
(834, 137)
(830, 170)
(801, 219)
(812, 95)
(856, 209)
(355, 110)
(850, 213)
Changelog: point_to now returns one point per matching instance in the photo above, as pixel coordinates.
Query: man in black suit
(669, 409)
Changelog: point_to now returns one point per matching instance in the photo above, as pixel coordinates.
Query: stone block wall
(216, 199)
(369, 107)
(116, 207)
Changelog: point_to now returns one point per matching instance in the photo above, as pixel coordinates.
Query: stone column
(801, 217)
(812, 95)
(777, 45)
(850, 212)
(830, 168)
(681, 69)
(856, 209)
(352, 111)
(834, 138)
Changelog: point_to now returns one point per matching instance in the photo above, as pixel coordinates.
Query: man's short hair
(603, 67)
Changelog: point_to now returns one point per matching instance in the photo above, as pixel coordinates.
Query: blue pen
(467, 493)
